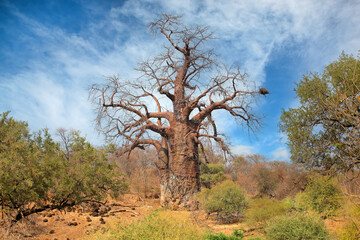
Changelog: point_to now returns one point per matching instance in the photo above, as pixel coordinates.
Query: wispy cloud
(281, 153)
(51, 87)
(242, 150)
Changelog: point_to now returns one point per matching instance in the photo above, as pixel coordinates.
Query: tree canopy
(324, 131)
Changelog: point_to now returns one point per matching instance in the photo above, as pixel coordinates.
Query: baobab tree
(170, 106)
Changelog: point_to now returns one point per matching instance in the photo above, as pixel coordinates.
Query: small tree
(179, 84)
(323, 132)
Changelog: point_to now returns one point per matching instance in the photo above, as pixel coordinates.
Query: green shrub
(263, 209)
(160, 225)
(226, 199)
(297, 227)
(211, 174)
(322, 194)
(237, 235)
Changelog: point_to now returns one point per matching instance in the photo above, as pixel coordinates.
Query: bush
(160, 225)
(297, 227)
(263, 209)
(322, 195)
(351, 229)
(226, 199)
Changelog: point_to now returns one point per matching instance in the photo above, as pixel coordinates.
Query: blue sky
(52, 51)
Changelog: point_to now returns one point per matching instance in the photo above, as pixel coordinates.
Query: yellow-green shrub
(263, 209)
(297, 227)
(351, 228)
(322, 194)
(160, 225)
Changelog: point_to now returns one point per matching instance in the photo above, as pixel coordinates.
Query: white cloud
(52, 90)
(242, 149)
(281, 153)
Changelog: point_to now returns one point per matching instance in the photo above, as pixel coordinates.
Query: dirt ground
(79, 223)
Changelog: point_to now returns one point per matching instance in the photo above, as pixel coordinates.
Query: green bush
(237, 235)
(226, 199)
(322, 194)
(297, 227)
(263, 209)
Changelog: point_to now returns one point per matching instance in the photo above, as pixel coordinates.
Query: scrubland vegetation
(268, 199)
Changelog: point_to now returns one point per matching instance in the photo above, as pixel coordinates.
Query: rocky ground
(78, 222)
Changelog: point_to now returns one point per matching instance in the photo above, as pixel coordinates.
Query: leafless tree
(170, 106)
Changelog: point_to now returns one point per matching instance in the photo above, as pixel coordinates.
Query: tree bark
(180, 170)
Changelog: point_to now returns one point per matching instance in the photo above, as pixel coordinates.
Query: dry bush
(140, 170)
(290, 179)
(350, 183)
(263, 178)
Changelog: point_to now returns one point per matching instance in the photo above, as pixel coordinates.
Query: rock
(94, 214)
(72, 223)
(52, 231)
(88, 219)
(45, 220)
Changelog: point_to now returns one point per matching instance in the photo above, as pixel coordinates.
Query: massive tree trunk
(180, 170)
